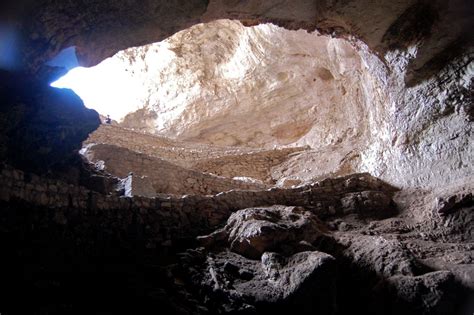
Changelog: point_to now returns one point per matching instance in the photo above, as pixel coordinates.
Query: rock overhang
(423, 59)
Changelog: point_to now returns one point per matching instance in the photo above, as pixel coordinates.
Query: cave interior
(237, 157)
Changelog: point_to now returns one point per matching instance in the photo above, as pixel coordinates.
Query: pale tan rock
(413, 93)
(264, 86)
(225, 84)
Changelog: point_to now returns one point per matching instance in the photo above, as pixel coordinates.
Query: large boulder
(263, 261)
(253, 231)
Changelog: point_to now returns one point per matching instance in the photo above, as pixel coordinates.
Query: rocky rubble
(303, 282)
(284, 258)
(270, 263)
(302, 249)
(164, 177)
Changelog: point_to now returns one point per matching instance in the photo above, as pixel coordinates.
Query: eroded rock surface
(378, 269)
(303, 282)
(226, 84)
(251, 232)
(264, 86)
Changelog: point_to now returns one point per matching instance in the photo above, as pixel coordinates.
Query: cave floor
(244, 245)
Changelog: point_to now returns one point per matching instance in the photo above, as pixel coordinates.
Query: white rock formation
(421, 134)
(265, 86)
(227, 84)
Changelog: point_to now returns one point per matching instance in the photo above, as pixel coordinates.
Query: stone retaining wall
(254, 165)
(165, 148)
(164, 219)
(166, 177)
(222, 161)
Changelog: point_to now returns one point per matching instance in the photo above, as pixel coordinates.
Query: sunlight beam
(108, 88)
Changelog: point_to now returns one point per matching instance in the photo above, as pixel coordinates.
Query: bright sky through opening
(108, 88)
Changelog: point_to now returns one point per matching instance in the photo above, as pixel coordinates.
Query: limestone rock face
(100, 28)
(105, 27)
(410, 104)
(264, 86)
(226, 84)
(421, 125)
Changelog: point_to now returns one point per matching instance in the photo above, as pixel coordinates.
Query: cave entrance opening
(226, 84)
(66, 59)
(222, 85)
(107, 87)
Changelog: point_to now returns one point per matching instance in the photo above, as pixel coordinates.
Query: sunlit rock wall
(223, 83)
(424, 132)
(416, 95)
(265, 86)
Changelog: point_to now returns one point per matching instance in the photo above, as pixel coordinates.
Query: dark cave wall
(97, 28)
(100, 28)
(41, 127)
(70, 250)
